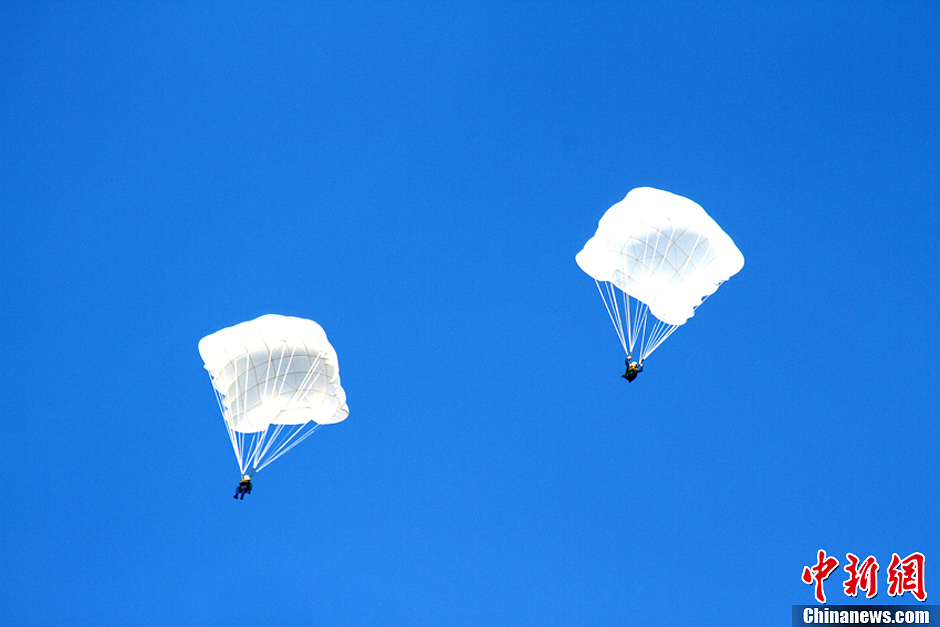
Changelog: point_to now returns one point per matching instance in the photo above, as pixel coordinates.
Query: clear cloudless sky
(417, 177)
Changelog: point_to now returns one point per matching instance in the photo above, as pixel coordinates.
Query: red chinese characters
(864, 576)
(819, 573)
(907, 575)
(904, 575)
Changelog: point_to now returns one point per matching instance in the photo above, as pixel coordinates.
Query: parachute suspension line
(647, 338)
(269, 436)
(237, 437)
(632, 327)
(231, 432)
(247, 443)
(288, 445)
(643, 332)
(273, 436)
(615, 307)
(660, 332)
(640, 311)
(618, 327)
(259, 447)
(632, 324)
(650, 253)
(631, 339)
(250, 453)
(612, 292)
(256, 440)
(252, 449)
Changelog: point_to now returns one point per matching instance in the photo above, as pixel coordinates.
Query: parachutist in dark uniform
(633, 369)
(244, 487)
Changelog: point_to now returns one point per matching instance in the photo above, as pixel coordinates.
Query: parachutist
(244, 487)
(633, 369)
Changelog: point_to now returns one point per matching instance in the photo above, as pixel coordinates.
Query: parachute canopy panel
(663, 250)
(274, 370)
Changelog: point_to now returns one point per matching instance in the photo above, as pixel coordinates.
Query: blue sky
(417, 178)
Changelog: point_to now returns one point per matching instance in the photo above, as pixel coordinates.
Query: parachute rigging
(656, 254)
(276, 380)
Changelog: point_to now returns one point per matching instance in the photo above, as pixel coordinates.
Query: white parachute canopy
(656, 253)
(277, 380)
